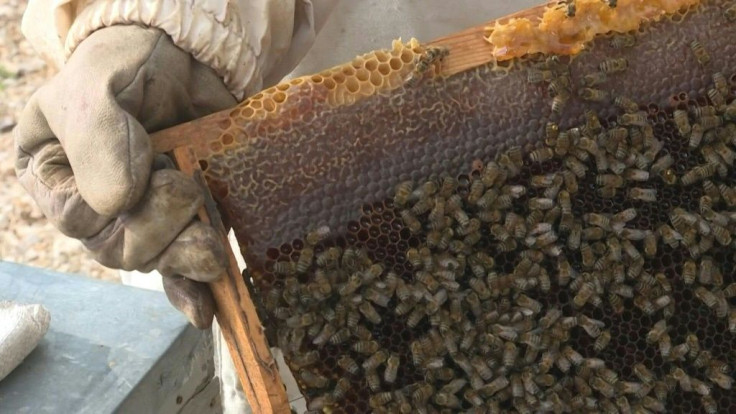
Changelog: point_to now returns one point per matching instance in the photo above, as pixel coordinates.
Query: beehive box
(533, 216)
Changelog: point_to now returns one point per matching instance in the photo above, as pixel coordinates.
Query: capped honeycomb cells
(580, 260)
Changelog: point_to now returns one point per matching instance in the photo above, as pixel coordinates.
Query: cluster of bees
(495, 247)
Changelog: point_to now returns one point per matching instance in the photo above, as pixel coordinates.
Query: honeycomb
(548, 233)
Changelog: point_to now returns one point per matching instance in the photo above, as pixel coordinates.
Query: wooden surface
(469, 50)
(237, 316)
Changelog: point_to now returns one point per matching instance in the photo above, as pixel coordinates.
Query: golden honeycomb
(548, 233)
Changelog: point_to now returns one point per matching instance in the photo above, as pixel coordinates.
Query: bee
(551, 132)
(613, 65)
(284, 268)
(558, 103)
(445, 399)
(570, 9)
(348, 364)
(313, 380)
(305, 259)
(373, 361)
(341, 388)
(328, 330)
(301, 321)
(732, 321)
(584, 294)
(602, 341)
(541, 155)
(682, 379)
(633, 174)
(573, 356)
(643, 194)
(622, 41)
(495, 386)
(702, 55)
(538, 75)
(410, 221)
(423, 63)
(591, 326)
(366, 347)
(472, 396)
(510, 354)
(489, 175)
(594, 95)
(609, 180)
(716, 98)
(707, 401)
(421, 394)
(594, 79)
(373, 381)
(707, 297)
(416, 316)
(628, 105)
(559, 86)
(662, 164)
(380, 399)
(700, 387)
(600, 385)
(633, 119)
(730, 13)
(679, 352)
(317, 235)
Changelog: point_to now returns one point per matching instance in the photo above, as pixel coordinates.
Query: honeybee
(602, 341)
(627, 105)
(493, 387)
(373, 381)
(410, 221)
(312, 379)
(541, 155)
(709, 403)
(366, 347)
(730, 13)
(348, 364)
(317, 235)
(373, 361)
(341, 388)
(422, 394)
(558, 104)
(423, 63)
(594, 95)
(600, 385)
(594, 79)
(328, 330)
(648, 195)
(380, 399)
(510, 354)
(702, 55)
(591, 326)
(613, 65)
(707, 297)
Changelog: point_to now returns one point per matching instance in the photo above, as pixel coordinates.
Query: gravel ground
(25, 234)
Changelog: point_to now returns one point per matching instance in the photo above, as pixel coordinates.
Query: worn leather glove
(84, 155)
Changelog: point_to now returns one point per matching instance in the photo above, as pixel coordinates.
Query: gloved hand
(84, 155)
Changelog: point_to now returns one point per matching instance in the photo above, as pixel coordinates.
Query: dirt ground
(25, 234)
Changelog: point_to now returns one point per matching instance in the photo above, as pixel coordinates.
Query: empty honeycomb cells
(549, 234)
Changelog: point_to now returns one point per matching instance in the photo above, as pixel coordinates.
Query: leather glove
(84, 155)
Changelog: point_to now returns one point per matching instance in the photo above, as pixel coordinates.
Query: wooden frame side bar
(237, 314)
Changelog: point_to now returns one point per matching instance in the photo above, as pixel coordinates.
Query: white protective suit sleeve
(251, 44)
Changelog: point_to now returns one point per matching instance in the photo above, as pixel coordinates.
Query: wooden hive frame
(236, 311)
